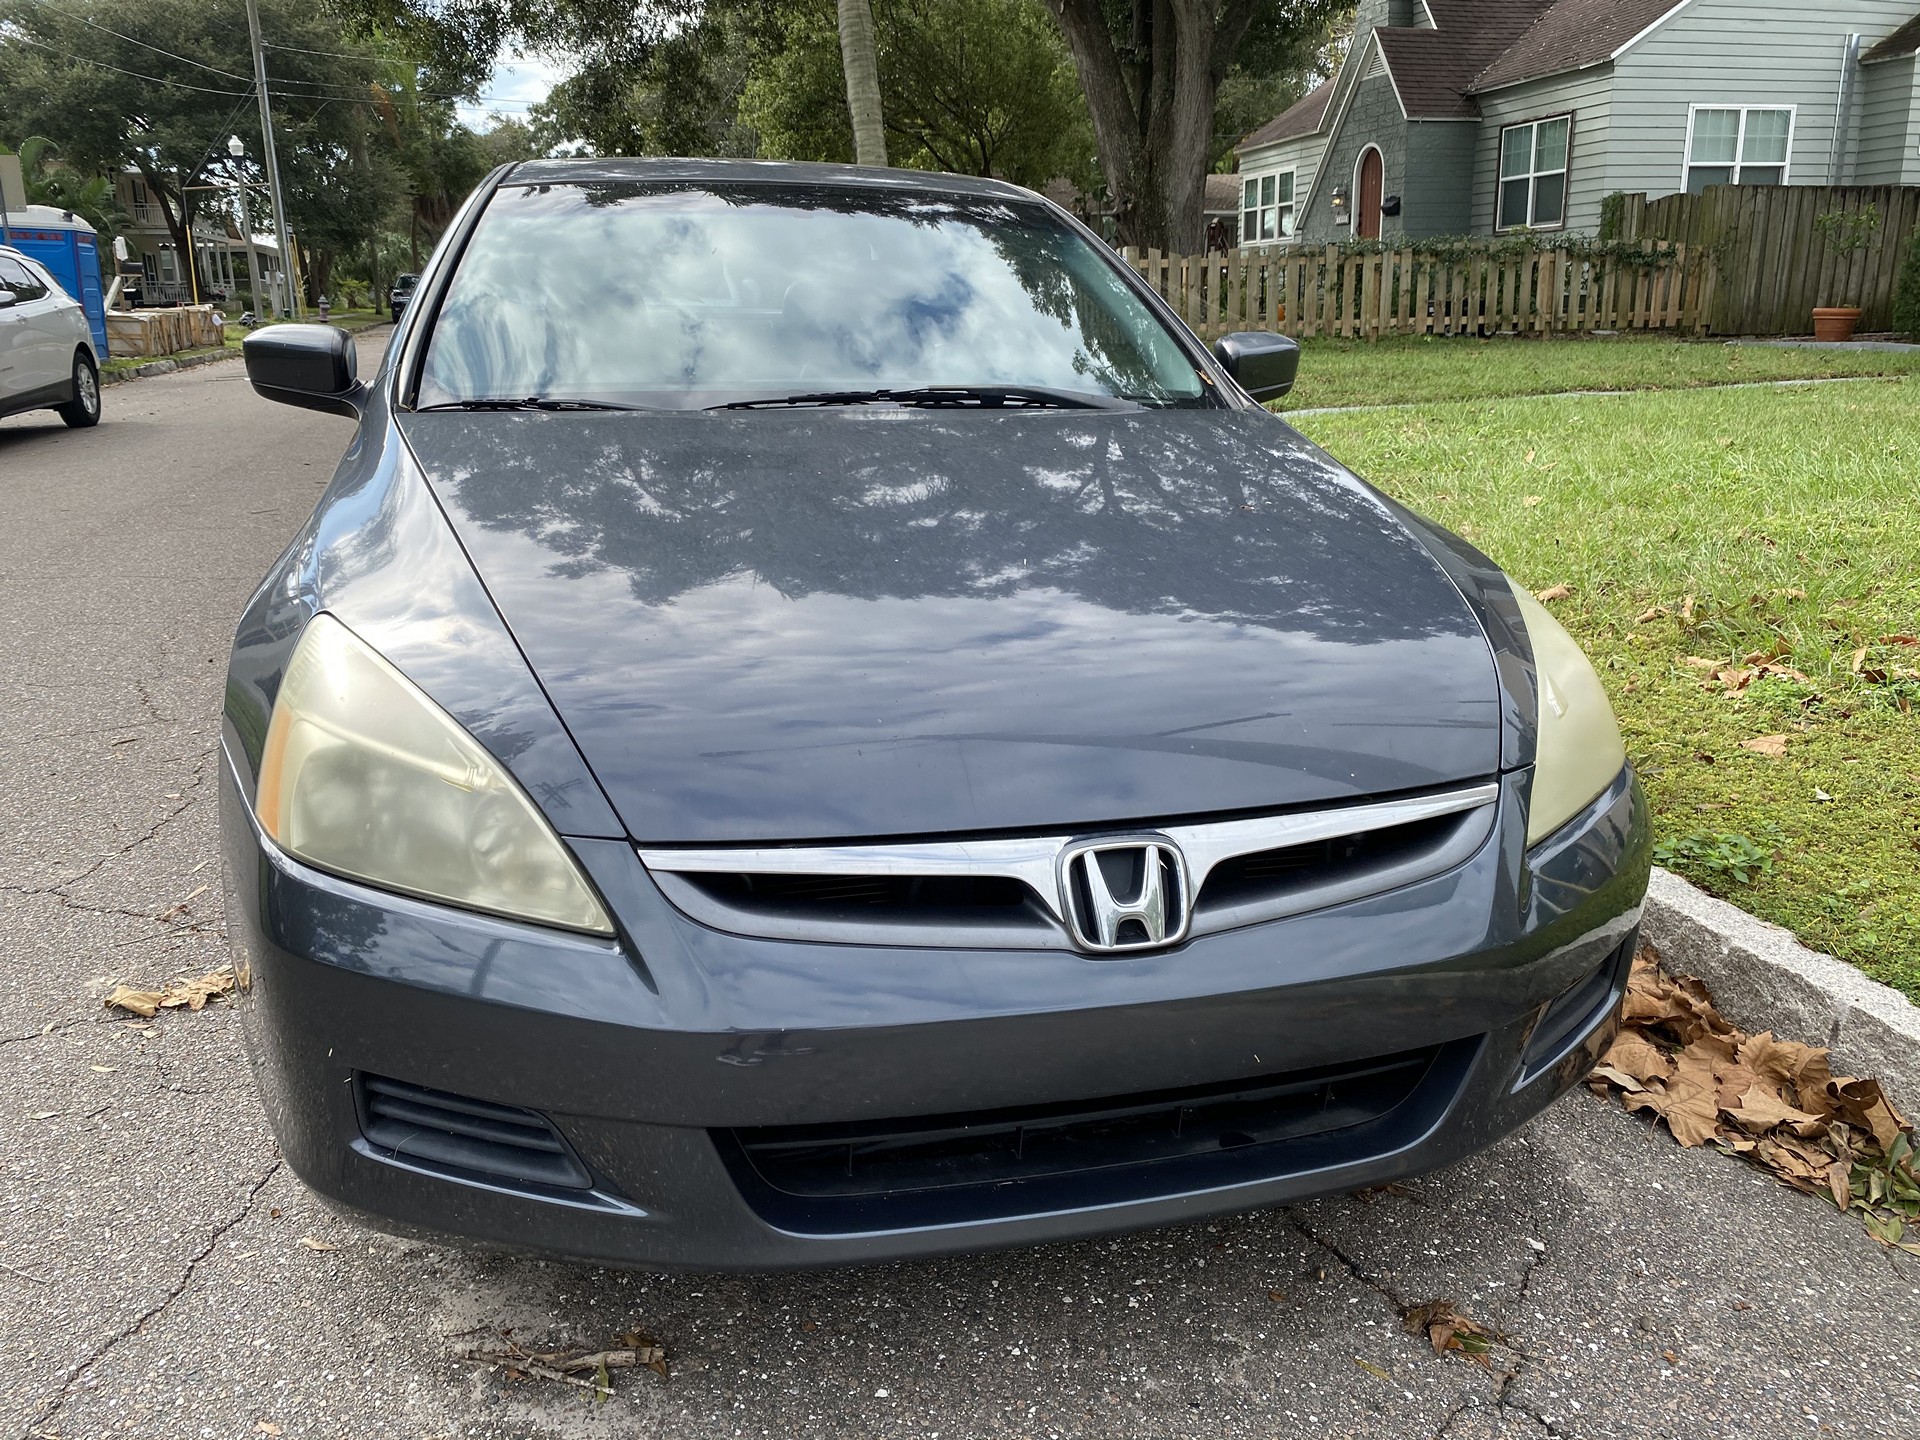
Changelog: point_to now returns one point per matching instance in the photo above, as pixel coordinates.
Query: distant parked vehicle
(47, 358)
(403, 288)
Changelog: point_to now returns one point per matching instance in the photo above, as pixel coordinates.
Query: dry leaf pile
(574, 1365)
(193, 994)
(1775, 1102)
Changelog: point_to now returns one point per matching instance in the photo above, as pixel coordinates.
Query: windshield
(690, 297)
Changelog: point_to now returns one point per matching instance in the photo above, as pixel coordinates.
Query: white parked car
(47, 360)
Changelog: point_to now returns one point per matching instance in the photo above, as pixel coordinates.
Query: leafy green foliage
(51, 181)
(978, 87)
(1719, 855)
(1906, 295)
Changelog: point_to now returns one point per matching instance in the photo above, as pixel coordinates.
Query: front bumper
(664, 1056)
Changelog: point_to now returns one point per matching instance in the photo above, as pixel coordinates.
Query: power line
(243, 94)
(315, 92)
(104, 29)
(154, 79)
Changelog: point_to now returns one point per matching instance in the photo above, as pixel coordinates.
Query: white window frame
(1288, 209)
(1740, 150)
(1501, 179)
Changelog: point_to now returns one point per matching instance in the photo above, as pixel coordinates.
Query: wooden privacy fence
(1775, 261)
(1492, 291)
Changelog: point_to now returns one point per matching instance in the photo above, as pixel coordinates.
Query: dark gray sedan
(816, 723)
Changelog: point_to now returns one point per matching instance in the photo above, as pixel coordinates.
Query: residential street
(162, 1275)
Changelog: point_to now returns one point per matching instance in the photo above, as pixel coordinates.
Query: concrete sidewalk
(156, 1275)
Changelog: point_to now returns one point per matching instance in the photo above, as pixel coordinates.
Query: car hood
(881, 622)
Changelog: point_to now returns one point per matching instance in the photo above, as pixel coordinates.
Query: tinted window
(23, 282)
(697, 296)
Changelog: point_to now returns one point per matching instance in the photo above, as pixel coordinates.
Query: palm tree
(859, 57)
(50, 181)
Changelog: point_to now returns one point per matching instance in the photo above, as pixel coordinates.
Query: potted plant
(1846, 233)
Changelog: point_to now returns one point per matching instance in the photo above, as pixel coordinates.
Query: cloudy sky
(516, 86)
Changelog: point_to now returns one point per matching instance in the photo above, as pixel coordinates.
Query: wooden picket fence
(1495, 291)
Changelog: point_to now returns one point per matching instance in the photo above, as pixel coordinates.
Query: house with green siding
(1482, 117)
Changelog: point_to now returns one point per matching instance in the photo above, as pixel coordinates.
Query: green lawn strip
(1790, 518)
(351, 320)
(1419, 369)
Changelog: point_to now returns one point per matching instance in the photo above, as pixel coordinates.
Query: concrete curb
(166, 367)
(1764, 979)
(169, 365)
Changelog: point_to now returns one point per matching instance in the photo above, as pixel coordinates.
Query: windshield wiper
(979, 397)
(531, 402)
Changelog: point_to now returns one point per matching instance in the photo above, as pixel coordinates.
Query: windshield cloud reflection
(688, 297)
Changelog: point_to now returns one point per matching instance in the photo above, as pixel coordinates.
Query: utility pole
(271, 157)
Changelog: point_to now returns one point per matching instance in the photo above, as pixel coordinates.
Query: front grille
(830, 894)
(979, 1165)
(475, 1138)
(1272, 873)
(1007, 893)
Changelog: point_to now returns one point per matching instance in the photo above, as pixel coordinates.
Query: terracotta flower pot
(1835, 322)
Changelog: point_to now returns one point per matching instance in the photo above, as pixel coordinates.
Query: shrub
(1906, 295)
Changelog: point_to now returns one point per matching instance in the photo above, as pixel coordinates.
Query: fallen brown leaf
(1773, 1102)
(193, 994)
(1772, 746)
(1552, 593)
(1650, 614)
(307, 1242)
(1447, 1329)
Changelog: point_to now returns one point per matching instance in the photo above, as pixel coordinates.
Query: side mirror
(7, 297)
(313, 366)
(1265, 365)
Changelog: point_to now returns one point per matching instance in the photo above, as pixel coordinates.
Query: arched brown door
(1367, 216)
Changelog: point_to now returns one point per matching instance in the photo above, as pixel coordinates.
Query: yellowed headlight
(364, 776)
(1578, 752)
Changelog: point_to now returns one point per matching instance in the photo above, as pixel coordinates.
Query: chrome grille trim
(1034, 861)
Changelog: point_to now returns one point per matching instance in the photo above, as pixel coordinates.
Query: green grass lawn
(1417, 369)
(1738, 527)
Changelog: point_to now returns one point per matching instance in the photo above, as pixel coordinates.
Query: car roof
(591, 170)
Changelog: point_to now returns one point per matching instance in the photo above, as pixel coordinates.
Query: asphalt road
(157, 1282)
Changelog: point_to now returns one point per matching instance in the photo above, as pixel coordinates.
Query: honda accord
(815, 722)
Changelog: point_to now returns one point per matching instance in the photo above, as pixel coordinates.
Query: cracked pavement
(153, 1275)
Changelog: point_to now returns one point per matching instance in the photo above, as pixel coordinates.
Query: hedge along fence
(1776, 260)
(1362, 291)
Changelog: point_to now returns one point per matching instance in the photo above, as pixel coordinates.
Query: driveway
(163, 1275)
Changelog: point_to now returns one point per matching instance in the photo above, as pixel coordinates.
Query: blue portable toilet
(68, 247)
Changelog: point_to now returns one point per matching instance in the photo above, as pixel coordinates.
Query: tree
(1151, 71)
(860, 58)
(158, 85)
(51, 181)
(681, 98)
(979, 87)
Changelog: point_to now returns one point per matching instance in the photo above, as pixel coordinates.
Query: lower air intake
(476, 1138)
(983, 1164)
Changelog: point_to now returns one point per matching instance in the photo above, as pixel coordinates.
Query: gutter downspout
(1839, 155)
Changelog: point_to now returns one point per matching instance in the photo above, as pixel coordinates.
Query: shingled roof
(1479, 45)
(1572, 35)
(1301, 118)
(1903, 41)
